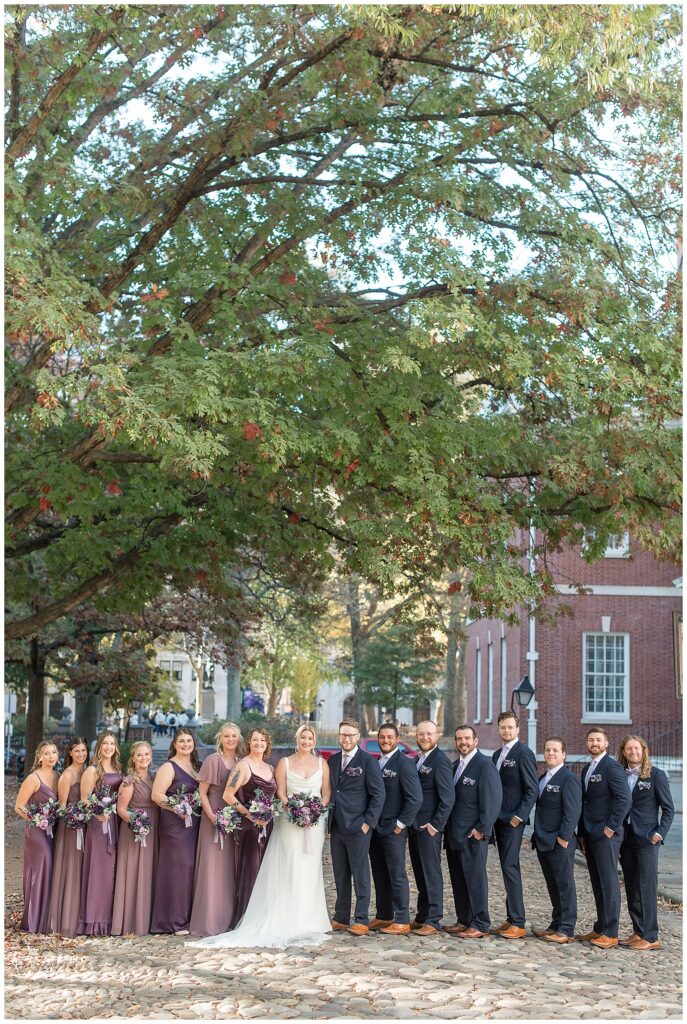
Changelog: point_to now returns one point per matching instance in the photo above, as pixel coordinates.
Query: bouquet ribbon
(219, 838)
(79, 839)
(188, 820)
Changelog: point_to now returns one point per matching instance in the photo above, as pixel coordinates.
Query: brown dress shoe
(541, 932)
(643, 944)
(338, 927)
(605, 942)
(414, 925)
(589, 937)
(557, 937)
(513, 932)
(630, 940)
(425, 929)
(396, 929)
(455, 929)
(501, 928)
(378, 922)
(359, 929)
(472, 933)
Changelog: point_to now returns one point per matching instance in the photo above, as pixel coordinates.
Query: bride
(287, 906)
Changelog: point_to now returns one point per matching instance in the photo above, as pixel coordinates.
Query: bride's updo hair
(306, 727)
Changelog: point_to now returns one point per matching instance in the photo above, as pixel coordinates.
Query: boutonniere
(550, 788)
(353, 771)
(596, 778)
(642, 784)
(424, 770)
(468, 781)
(387, 773)
(509, 764)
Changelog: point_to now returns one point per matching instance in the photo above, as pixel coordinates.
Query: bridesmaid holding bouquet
(99, 785)
(215, 872)
(178, 831)
(137, 846)
(36, 797)
(65, 897)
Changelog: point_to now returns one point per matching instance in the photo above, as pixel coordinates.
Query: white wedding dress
(287, 906)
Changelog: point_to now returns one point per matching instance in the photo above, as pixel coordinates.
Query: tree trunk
(36, 699)
(272, 701)
(87, 714)
(233, 710)
(455, 685)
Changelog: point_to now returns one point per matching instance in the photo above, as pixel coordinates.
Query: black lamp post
(522, 694)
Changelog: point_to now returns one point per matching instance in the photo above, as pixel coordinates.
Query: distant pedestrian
(160, 722)
(171, 723)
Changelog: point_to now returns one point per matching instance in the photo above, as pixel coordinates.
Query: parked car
(371, 745)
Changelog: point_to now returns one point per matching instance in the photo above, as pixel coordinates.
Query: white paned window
(606, 676)
(177, 668)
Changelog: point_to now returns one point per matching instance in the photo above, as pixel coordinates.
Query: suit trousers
(467, 868)
(350, 860)
(640, 872)
(557, 866)
(425, 857)
(508, 842)
(392, 891)
(602, 861)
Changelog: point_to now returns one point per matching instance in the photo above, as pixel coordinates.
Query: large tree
(290, 284)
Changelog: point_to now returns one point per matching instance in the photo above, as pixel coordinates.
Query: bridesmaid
(133, 895)
(37, 788)
(215, 873)
(100, 853)
(252, 773)
(177, 849)
(65, 897)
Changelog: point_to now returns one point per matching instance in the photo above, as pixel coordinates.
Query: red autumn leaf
(455, 588)
(351, 468)
(338, 453)
(46, 400)
(198, 32)
(272, 124)
(113, 488)
(46, 489)
(321, 325)
(288, 277)
(251, 431)
(294, 517)
(45, 505)
(202, 576)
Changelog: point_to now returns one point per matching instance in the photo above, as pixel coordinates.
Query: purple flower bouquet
(185, 803)
(102, 802)
(305, 810)
(76, 816)
(264, 809)
(140, 825)
(43, 816)
(227, 823)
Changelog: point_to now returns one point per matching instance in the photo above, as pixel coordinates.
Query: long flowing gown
(133, 895)
(251, 844)
(99, 862)
(176, 863)
(214, 879)
(65, 896)
(287, 907)
(37, 869)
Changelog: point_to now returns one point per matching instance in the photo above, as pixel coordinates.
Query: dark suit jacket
(519, 781)
(478, 796)
(606, 800)
(357, 794)
(403, 793)
(557, 810)
(648, 797)
(436, 782)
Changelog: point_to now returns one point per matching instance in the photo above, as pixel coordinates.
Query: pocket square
(468, 782)
(509, 764)
(353, 771)
(424, 770)
(641, 784)
(552, 789)
(596, 778)
(387, 773)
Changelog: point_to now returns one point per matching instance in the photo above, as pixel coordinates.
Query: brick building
(616, 662)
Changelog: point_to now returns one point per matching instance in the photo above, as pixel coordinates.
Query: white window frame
(478, 687)
(504, 673)
(177, 671)
(604, 717)
(490, 684)
(619, 549)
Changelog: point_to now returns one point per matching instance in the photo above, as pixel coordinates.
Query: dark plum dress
(135, 879)
(176, 863)
(251, 847)
(99, 864)
(37, 869)
(65, 898)
(214, 878)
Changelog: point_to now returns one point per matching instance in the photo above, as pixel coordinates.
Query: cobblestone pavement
(159, 977)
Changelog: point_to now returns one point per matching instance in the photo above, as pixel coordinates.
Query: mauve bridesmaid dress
(99, 862)
(214, 878)
(135, 878)
(65, 897)
(37, 869)
(251, 848)
(176, 863)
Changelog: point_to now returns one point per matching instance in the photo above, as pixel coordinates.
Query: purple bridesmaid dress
(99, 862)
(176, 863)
(251, 848)
(133, 895)
(65, 897)
(37, 869)
(215, 872)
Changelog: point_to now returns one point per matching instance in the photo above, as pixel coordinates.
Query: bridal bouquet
(140, 825)
(264, 808)
(185, 803)
(76, 816)
(43, 816)
(305, 810)
(102, 802)
(227, 823)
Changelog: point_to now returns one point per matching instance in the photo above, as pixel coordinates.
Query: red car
(371, 745)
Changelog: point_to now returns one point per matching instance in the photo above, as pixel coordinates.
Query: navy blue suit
(557, 813)
(518, 775)
(388, 849)
(358, 797)
(639, 856)
(478, 796)
(436, 782)
(605, 803)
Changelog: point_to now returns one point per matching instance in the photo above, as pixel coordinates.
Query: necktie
(590, 770)
(545, 779)
(632, 776)
(382, 761)
(459, 770)
(420, 761)
(344, 762)
(502, 757)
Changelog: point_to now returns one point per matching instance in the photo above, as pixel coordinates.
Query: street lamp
(522, 694)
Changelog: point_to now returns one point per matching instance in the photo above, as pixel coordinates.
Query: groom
(358, 797)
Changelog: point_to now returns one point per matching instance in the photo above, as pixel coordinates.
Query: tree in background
(397, 671)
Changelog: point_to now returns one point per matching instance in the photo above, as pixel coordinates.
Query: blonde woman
(65, 897)
(37, 788)
(214, 879)
(136, 858)
(103, 779)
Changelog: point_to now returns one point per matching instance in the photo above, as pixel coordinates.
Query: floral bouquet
(227, 823)
(43, 816)
(75, 816)
(102, 802)
(140, 825)
(264, 809)
(305, 810)
(185, 803)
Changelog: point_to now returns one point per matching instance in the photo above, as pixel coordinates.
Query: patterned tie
(420, 761)
(632, 776)
(459, 771)
(545, 779)
(344, 762)
(382, 760)
(590, 771)
(502, 757)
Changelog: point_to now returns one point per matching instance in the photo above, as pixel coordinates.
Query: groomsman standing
(558, 810)
(424, 840)
(478, 796)
(390, 835)
(605, 802)
(358, 797)
(643, 837)
(517, 768)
